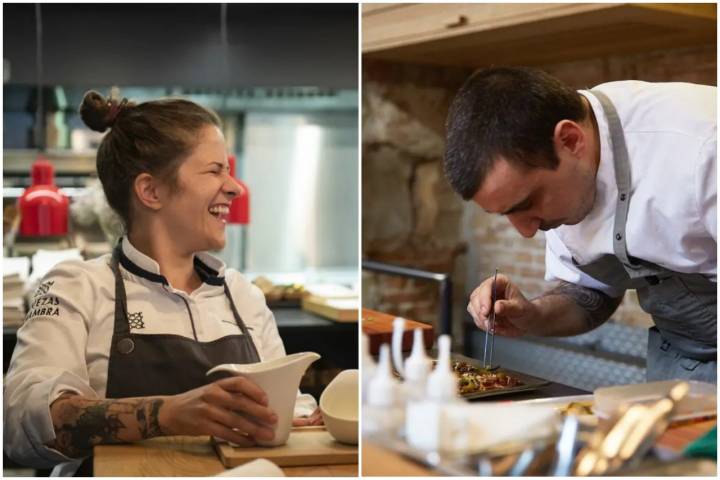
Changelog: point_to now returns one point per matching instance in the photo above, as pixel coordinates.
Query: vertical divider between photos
(359, 229)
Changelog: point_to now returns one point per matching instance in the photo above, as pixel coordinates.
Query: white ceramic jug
(279, 379)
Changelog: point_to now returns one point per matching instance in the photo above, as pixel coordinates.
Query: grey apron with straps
(165, 364)
(683, 342)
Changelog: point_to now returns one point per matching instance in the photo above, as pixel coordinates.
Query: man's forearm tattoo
(80, 424)
(597, 305)
(147, 414)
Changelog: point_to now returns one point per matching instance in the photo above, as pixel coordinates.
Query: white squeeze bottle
(417, 368)
(442, 382)
(429, 422)
(383, 414)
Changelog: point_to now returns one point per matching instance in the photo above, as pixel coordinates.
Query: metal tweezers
(490, 334)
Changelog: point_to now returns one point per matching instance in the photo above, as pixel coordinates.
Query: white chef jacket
(671, 136)
(64, 345)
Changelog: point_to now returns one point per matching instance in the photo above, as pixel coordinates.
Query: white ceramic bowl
(339, 407)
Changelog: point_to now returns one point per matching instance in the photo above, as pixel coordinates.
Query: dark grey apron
(683, 342)
(165, 364)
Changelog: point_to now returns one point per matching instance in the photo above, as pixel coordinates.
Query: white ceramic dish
(339, 407)
(279, 379)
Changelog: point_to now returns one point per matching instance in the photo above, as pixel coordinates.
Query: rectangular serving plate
(529, 382)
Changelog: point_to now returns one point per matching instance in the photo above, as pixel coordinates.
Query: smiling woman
(172, 179)
(135, 332)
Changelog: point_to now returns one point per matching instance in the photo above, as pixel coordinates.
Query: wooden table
(184, 456)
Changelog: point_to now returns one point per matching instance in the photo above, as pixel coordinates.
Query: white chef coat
(671, 136)
(64, 345)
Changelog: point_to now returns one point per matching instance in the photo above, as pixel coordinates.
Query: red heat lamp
(43, 207)
(240, 206)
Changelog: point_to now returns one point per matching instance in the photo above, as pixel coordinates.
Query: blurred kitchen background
(282, 77)
(415, 57)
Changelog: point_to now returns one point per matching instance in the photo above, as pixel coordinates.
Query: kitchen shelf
(473, 35)
(66, 162)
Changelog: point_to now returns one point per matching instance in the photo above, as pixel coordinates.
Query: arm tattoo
(147, 414)
(80, 423)
(597, 305)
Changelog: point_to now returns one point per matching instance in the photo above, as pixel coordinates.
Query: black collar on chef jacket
(206, 273)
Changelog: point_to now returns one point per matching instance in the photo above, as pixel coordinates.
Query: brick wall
(412, 217)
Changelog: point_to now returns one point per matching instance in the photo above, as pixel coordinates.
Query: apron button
(126, 346)
(618, 237)
(622, 197)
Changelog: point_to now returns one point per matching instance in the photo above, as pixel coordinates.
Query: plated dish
(473, 379)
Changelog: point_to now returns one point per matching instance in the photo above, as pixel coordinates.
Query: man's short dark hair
(508, 112)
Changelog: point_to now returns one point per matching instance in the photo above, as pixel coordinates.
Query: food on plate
(472, 379)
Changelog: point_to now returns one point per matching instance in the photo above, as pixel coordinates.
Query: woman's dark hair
(151, 137)
(508, 112)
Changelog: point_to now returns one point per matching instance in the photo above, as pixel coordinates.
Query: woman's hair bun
(98, 112)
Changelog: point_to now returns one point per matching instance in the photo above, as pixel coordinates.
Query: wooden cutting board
(306, 446)
(329, 309)
(378, 327)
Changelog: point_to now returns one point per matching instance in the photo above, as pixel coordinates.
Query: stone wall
(410, 216)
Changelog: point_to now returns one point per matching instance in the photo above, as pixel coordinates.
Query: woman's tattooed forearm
(597, 305)
(148, 414)
(81, 423)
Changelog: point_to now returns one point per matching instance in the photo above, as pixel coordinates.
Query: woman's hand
(234, 409)
(314, 419)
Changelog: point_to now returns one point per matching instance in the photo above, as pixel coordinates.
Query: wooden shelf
(529, 34)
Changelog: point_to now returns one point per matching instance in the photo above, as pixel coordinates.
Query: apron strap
(239, 320)
(622, 176)
(122, 323)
